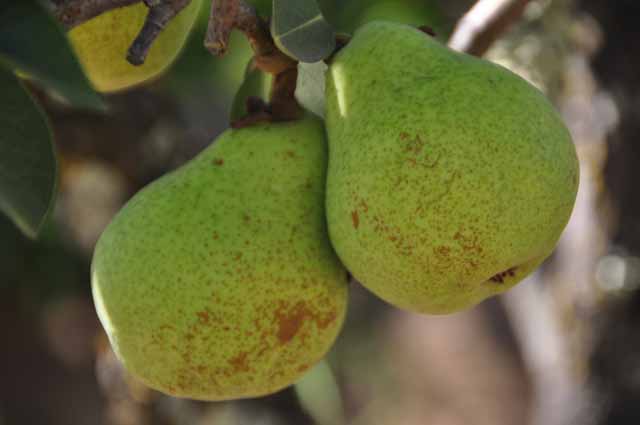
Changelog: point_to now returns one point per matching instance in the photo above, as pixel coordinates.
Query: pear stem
(227, 15)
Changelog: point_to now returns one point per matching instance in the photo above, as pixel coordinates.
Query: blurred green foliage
(43, 269)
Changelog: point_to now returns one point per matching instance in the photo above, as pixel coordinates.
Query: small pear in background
(450, 178)
(218, 280)
(102, 44)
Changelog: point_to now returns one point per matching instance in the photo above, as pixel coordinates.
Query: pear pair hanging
(449, 180)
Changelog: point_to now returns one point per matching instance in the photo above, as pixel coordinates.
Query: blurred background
(561, 348)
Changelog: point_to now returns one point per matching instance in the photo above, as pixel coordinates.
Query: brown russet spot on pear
(500, 277)
(468, 172)
(219, 282)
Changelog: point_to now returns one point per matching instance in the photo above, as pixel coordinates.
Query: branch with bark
(227, 15)
(161, 12)
(484, 23)
(71, 13)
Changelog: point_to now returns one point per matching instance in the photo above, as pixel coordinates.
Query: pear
(101, 45)
(218, 280)
(450, 178)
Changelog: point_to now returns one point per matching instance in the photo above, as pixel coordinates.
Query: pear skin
(450, 178)
(101, 45)
(218, 280)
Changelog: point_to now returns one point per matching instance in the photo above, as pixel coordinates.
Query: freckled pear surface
(218, 280)
(102, 43)
(450, 178)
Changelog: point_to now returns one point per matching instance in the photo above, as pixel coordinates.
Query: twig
(485, 22)
(222, 20)
(227, 15)
(71, 13)
(161, 12)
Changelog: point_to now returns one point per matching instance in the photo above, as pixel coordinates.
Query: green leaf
(263, 7)
(27, 159)
(310, 86)
(319, 395)
(32, 41)
(255, 84)
(300, 30)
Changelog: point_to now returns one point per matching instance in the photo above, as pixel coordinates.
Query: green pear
(218, 280)
(450, 178)
(102, 44)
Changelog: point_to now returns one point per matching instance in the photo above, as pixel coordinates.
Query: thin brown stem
(485, 22)
(161, 12)
(283, 104)
(222, 20)
(71, 13)
(227, 15)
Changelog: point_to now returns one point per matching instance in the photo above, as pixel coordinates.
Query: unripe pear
(450, 178)
(218, 280)
(102, 44)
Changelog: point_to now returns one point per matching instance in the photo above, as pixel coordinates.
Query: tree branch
(485, 22)
(161, 12)
(222, 20)
(71, 13)
(227, 15)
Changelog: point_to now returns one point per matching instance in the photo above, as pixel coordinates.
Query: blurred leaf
(300, 30)
(319, 395)
(255, 84)
(27, 159)
(33, 42)
(310, 86)
(263, 7)
(355, 13)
